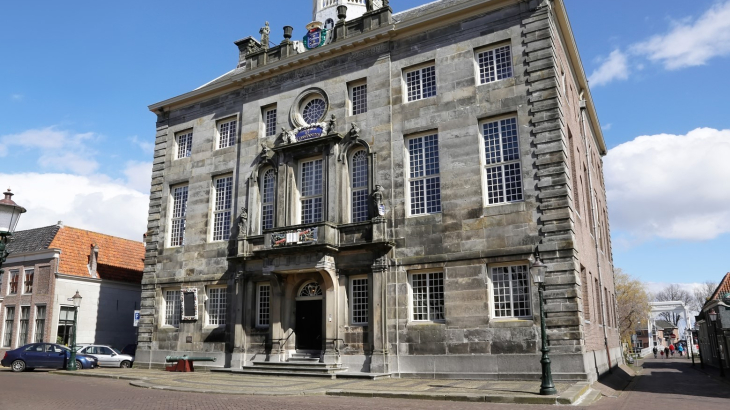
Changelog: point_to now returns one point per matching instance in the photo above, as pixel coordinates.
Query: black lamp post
(71, 365)
(713, 319)
(9, 216)
(547, 387)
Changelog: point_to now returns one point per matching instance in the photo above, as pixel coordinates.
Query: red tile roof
(119, 259)
(722, 288)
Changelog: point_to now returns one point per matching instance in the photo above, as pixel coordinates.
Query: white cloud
(691, 43)
(614, 67)
(60, 150)
(671, 186)
(139, 175)
(607, 127)
(96, 203)
(146, 146)
(16, 97)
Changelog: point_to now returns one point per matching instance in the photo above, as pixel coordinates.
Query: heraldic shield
(316, 35)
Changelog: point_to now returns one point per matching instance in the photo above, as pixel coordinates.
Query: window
(226, 134)
(222, 207)
(428, 296)
(314, 110)
(597, 298)
(585, 284)
(511, 286)
(421, 83)
(23, 328)
(359, 300)
(28, 282)
(40, 323)
(263, 300)
(179, 211)
(358, 99)
(217, 306)
(502, 155)
(270, 121)
(9, 318)
(495, 64)
(65, 325)
(184, 144)
(359, 186)
(268, 188)
(425, 182)
(172, 308)
(311, 179)
(13, 282)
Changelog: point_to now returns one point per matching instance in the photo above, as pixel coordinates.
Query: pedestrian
(662, 353)
(680, 348)
(666, 352)
(654, 350)
(671, 349)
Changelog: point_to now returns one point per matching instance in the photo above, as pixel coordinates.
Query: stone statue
(265, 35)
(371, 5)
(243, 222)
(331, 124)
(354, 131)
(377, 198)
(288, 136)
(265, 150)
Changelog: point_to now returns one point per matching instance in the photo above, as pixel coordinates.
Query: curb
(101, 376)
(146, 385)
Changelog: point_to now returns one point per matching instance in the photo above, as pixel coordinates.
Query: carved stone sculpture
(331, 124)
(354, 131)
(288, 136)
(243, 222)
(265, 35)
(377, 197)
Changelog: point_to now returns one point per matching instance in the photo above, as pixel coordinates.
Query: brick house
(372, 197)
(48, 265)
(714, 338)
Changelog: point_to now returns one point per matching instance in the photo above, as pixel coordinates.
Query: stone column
(326, 267)
(379, 362)
(246, 315)
(275, 328)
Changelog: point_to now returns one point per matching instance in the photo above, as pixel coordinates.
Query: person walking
(680, 349)
(666, 352)
(671, 349)
(654, 350)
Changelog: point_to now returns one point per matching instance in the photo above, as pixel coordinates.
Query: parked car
(130, 349)
(108, 356)
(49, 355)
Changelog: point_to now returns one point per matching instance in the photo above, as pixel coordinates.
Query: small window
(359, 186)
(9, 319)
(28, 281)
(359, 300)
(270, 121)
(40, 323)
(226, 134)
(311, 191)
(217, 306)
(358, 98)
(421, 83)
(223, 195)
(329, 24)
(268, 188)
(424, 180)
(24, 325)
(428, 296)
(502, 157)
(184, 142)
(495, 64)
(511, 290)
(13, 282)
(263, 304)
(179, 212)
(172, 308)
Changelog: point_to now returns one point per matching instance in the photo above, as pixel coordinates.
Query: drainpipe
(594, 222)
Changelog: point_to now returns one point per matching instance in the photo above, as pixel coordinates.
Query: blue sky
(76, 135)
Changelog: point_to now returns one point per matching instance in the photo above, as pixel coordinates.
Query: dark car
(48, 355)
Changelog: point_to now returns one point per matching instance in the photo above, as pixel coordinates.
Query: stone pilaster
(379, 362)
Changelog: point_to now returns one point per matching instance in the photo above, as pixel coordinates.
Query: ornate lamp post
(9, 216)
(713, 319)
(538, 276)
(71, 365)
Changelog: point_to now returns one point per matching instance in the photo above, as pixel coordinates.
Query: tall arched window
(268, 182)
(359, 186)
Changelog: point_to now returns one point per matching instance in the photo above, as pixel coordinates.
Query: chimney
(93, 257)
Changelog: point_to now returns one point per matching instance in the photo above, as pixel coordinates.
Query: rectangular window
(172, 308)
(184, 144)
(64, 332)
(13, 282)
(23, 325)
(358, 99)
(263, 304)
(28, 282)
(597, 297)
(226, 134)
(217, 306)
(222, 208)
(495, 64)
(511, 286)
(585, 284)
(428, 296)
(179, 212)
(424, 179)
(270, 121)
(9, 318)
(40, 323)
(421, 83)
(268, 183)
(311, 180)
(359, 300)
(359, 186)
(502, 157)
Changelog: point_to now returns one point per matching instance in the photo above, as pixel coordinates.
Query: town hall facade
(370, 197)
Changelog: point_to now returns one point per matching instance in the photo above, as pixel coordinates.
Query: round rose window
(313, 111)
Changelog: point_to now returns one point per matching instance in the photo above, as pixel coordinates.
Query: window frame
(411, 298)
(492, 48)
(28, 290)
(300, 190)
(27, 334)
(231, 122)
(13, 281)
(352, 280)
(351, 189)
(8, 325)
(36, 318)
(420, 68)
(262, 197)
(260, 325)
(175, 302)
(492, 301)
(424, 177)
(188, 134)
(502, 163)
(222, 312)
(215, 212)
(352, 104)
(172, 218)
(265, 119)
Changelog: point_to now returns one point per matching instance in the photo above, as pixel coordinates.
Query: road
(664, 384)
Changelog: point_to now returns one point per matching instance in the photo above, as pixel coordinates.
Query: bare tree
(673, 293)
(633, 303)
(702, 294)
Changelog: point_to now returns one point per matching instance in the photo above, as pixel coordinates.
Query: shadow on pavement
(667, 376)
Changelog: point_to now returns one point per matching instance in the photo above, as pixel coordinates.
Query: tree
(633, 303)
(672, 293)
(702, 294)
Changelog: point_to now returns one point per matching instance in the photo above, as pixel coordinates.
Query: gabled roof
(722, 288)
(32, 240)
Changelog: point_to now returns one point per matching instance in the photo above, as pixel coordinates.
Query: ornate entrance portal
(308, 323)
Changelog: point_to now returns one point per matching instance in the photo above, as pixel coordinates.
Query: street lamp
(713, 319)
(538, 276)
(9, 216)
(71, 365)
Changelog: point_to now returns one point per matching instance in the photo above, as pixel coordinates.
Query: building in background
(48, 265)
(371, 194)
(714, 337)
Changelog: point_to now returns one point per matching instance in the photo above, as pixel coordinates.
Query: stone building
(371, 196)
(714, 336)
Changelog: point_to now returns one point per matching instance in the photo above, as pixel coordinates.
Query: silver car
(107, 356)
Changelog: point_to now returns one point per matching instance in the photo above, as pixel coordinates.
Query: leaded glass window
(263, 304)
(495, 64)
(268, 184)
(311, 192)
(502, 157)
(226, 134)
(179, 211)
(359, 186)
(359, 300)
(359, 99)
(222, 208)
(424, 180)
(313, 111)
(311, 289)
(217, 306)
(172, 308)
(428, 296)
(421, 83)
(511, 289)
(184, 144)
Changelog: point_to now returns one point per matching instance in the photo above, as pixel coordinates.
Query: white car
(107, 356)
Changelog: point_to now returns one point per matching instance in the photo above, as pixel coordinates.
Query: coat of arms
(316, 36)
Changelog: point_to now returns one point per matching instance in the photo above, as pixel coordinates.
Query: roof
(665, 324)
(722, 288)
(118, 259)
(32, 240)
